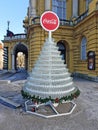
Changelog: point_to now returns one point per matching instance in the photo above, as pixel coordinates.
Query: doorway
(21, 57)
(62, 49)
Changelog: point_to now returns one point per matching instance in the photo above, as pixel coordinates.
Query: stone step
(5, 81)
(9, 102)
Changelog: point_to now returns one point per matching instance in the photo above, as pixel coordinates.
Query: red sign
(49, 21)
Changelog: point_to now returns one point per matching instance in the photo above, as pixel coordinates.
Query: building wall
(69, 9)
(70, 35)
(40, 7)
(82, 6)
(93, 6)
(1, 55)
(86, 28)
(36, 40)
(11, 51)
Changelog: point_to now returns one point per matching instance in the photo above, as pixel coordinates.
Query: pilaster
(47, 4)
(32, 8)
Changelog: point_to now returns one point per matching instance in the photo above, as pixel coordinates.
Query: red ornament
(56, 100)
(75, 96)
(33, 109)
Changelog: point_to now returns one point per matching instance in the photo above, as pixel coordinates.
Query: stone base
(5, 81)
(85, 76)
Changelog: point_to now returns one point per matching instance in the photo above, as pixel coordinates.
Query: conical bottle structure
(50, 79)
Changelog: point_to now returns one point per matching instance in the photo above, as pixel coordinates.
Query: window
(83, 49)
(87, 4)
(75, 8)
(59, 7)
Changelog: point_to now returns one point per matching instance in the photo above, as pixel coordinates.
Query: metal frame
(36, 106)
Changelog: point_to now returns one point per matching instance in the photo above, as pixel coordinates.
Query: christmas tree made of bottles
(50, 79)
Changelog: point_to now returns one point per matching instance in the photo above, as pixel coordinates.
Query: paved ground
(84, 117)
(13, 76)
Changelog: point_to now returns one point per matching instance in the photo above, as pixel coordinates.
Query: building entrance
(21, 57)
(62, 49)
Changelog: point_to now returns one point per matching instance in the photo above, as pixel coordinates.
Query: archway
(21, 57)
(64, 48)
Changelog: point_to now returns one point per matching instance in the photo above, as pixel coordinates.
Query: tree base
(49, 110)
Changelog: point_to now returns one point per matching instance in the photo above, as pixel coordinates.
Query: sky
(15, 12)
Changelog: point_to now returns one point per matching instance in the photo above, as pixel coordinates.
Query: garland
(56, 100)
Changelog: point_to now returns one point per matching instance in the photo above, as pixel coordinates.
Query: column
(47, 5)
(32, 8)
(13, 61)
(75, 8)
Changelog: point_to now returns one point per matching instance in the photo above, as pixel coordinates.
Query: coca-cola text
(48, 21)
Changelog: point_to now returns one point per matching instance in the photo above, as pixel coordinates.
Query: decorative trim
(56, 100)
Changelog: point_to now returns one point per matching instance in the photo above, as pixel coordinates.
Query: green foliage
(57, 100)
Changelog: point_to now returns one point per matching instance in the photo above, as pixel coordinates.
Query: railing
(81, 17)
(15, 37)
(36, 20)
(66, 22)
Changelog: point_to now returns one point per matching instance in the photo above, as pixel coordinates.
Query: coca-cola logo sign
(49, 21)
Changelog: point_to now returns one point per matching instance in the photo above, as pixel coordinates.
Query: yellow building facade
(76, 37)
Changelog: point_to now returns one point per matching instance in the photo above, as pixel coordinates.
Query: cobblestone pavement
(84, 117)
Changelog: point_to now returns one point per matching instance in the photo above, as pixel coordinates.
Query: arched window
(83, 48)
(59, 7)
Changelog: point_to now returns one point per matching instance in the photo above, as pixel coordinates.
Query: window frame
(84, 48)
(58, 6)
